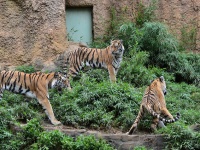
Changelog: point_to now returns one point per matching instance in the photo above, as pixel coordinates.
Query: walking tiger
(34, 85)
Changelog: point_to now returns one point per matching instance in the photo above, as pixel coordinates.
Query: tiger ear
(161, 79)
(121, 41)
(111, 41)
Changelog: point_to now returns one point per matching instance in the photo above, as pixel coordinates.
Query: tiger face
(160, 84)
(117, 47)
(61, 81)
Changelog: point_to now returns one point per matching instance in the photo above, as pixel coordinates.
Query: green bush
(57, 140)
(26, 69)
(5, 134)
(130, 35)
(181, 137)
(161, 45)
(145, 14)
(163, 51)
(133, 70)
(53, 140)
(91, 143)
(99, 106)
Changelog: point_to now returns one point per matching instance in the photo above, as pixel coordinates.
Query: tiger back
(34, 85)
(109, 58)
(154, 103)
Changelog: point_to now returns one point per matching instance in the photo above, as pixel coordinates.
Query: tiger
(34, 85)
(153, 102)
(108, 58)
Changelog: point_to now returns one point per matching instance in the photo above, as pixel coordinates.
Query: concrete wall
(31, 31)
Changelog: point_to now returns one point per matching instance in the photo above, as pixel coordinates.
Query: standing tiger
(34, 85)
(108, 58)
(154, 103)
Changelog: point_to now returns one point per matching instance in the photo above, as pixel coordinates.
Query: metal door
(79, 24)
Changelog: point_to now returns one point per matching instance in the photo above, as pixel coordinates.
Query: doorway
(79, 24)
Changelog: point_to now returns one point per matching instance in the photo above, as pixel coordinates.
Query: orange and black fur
(154, 103)
(34, 85)
(108, 58)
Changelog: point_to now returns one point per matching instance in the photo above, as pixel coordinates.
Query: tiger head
(117, 47)
(159, 83)
(61, 81)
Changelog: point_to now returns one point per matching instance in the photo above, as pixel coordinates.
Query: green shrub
(130, 35)
(21, 108)
(161, 45)
(32, 130)
(133, 70)
(183, 98)
(91, 143)
(181, 137)
(26, 69)
(53, 140)
(145, 14)
(99, 106)
(163, 52)
(5, 134)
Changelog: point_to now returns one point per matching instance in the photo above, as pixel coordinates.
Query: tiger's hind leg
(43, 100)
(137, 120)
(132, 129)
(154, 124)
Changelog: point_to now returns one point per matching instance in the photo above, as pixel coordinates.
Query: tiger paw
(56, 122)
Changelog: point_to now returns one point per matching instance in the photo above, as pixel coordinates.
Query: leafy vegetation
(180, 136)
(25, 68)
(33, 137)
(95, 103)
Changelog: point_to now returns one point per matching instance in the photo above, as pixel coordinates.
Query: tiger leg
(43, 100)
(154, 124)
(116, 70)
(73, 70)
(137, 120)
(111, 71)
